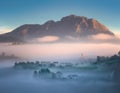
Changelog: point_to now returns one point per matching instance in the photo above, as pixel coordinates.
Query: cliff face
(75, 26)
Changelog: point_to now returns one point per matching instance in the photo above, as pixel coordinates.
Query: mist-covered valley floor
(85, 80)
(75, 78)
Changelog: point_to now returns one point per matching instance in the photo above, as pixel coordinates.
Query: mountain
(74, 26)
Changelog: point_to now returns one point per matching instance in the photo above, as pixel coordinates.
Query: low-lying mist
(23, 81)
(15, 80)
(60, 50)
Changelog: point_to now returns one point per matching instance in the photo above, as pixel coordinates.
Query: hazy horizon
(60, 50)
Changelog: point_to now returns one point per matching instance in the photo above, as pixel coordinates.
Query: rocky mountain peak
(72, 25)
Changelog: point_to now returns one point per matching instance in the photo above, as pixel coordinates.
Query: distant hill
(75, 26)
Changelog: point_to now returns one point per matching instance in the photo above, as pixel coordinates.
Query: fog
(90, 81)
(60, 50)
(23, 81)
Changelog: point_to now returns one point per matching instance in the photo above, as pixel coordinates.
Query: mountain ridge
(72, 25)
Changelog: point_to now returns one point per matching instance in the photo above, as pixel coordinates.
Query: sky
(14, 13)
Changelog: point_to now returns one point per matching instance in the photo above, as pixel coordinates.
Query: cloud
(4, 29)
(99, 38)
(117, 35)
(102, 37)
(48, 39)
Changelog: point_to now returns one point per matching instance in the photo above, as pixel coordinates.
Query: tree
(98, 58)
(114, 57)
(119, 53)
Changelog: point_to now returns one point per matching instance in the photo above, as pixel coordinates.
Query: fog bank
(60, 50)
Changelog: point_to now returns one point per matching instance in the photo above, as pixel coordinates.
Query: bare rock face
(75, 26)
